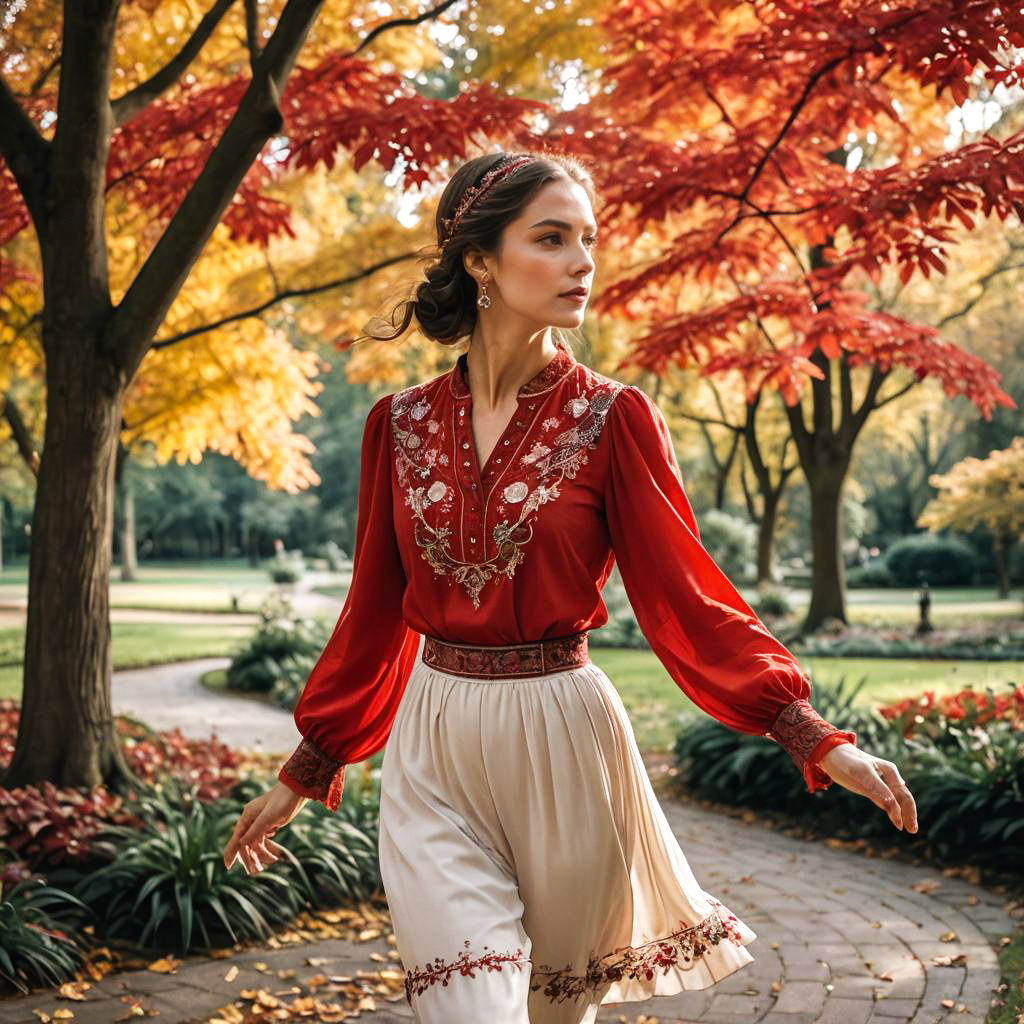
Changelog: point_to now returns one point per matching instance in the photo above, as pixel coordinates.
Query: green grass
(134, 645)
(655, 703)
(208, 586)
(1011, 966)
(188, 586)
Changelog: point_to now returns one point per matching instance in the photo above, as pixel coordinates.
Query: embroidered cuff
(807, 737)
(311, 773)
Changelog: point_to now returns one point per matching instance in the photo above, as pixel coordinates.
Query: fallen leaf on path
(136, 1009)
(165, 965)
(73, 989)
(957, 960)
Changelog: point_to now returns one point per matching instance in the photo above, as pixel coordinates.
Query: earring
(484, 301)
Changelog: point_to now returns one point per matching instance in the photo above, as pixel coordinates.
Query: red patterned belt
(512, 661)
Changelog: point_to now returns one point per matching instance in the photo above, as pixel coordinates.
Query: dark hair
(444, 305)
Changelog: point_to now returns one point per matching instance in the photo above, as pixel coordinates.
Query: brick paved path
(829, 924)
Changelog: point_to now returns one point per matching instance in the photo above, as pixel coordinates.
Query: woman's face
(546, 251)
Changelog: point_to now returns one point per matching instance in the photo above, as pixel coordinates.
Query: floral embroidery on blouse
(682, 949)
(530, 479)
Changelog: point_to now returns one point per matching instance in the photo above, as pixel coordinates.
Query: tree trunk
(828, 573)
(129, 549)
(766, 535)
(66, 732)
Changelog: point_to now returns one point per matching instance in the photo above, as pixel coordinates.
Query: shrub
(35, 947)
(286, 572)
(772, 602)
(871, 574)
(718, 763)
(621, 629)
(283, 645)
(943, 561)
(934, 716)
(46, 826)
(730, 540)
(166, 885)
(965, 769)
(338, 851)
(332, 554)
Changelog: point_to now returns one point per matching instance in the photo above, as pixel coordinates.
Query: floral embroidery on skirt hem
(681, 950)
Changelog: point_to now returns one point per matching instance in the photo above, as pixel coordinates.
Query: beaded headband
(475, 192)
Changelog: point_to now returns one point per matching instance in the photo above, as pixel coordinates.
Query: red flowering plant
(46, 826)
(933, 716)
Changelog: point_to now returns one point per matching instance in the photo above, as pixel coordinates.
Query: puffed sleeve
(349, 702)
(710, 641)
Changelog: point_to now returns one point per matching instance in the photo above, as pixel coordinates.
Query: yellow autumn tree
(985, 493)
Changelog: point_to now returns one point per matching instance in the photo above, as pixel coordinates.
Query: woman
(529, 869)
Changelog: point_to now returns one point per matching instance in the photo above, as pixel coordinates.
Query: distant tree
(983, 492)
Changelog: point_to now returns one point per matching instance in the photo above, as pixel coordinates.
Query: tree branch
(252, 32)
(135, 100)
(398, 22)
(150, 295)
(257, 118)
(280, 296)
(896, 394)
(20, 433)
(43, 75)
(1002, 267)
(27, 154)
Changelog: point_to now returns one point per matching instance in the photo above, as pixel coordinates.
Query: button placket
(469, 479)
(478, 480)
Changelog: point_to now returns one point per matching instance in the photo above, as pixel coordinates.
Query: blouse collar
(557, 369)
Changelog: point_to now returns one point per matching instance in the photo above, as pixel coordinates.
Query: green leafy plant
(941, 560)
(337, 850)
(36, 948)
(166, 885)
(283, 646)
(963, 761)
(772, 602)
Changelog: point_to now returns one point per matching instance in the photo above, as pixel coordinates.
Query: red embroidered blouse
(518, 550)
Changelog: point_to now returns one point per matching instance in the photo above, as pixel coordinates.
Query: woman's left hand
(874, 777)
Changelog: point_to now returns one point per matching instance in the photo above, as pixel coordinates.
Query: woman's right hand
(259, 820)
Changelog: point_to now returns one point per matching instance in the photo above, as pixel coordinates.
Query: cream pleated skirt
(529, 869)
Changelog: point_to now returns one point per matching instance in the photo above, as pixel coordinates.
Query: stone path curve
(830, 923)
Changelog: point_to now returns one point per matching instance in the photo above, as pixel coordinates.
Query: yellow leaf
(165, 965)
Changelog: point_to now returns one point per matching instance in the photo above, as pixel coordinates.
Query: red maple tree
(720, 128)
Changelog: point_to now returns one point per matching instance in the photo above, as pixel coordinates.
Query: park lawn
(208, 586)
(656, 705)
(188, 586)
(135, 645)
(1011, 964)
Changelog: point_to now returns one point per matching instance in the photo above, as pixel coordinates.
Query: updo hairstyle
(444, 304)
